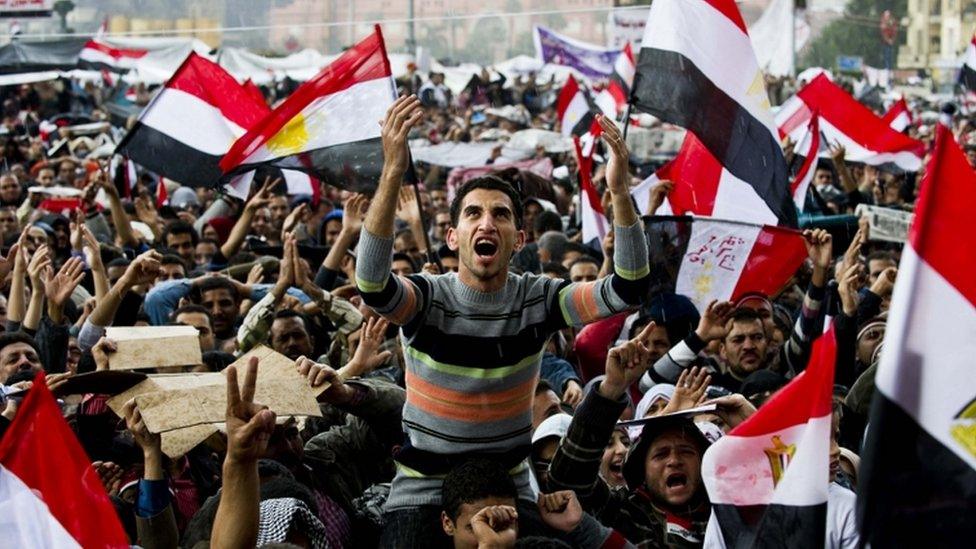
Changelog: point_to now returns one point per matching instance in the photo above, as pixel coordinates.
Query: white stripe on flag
(855, 152)
(739, 470)
(736, 199)
(594, 222)
(575, 111)
(25, 520)
(715, 258)
(735, 71)
(297, 182)
(342, 117)
(191, 121)
(930, 325)
(901, 122)
(240, 186)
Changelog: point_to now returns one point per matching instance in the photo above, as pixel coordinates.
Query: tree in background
(857, 33)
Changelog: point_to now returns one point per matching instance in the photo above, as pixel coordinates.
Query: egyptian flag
(918, 470)
(577, 115)
(50, 495)
(864, 135)
(191, 123)
(328, 128)
(806, 152)
(703, 186)
(100, 55)
(123, 174)
(767, 479)
(697, 69)
(622, 79)
(706, 258)
(594, 220)
(967, 75)
(899, 116)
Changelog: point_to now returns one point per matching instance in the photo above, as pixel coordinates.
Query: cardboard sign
(886, 224)
(154, 347)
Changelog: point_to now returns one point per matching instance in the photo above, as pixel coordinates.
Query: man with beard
(473, 340)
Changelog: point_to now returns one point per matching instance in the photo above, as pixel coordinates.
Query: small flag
(768, 478)
(705, 258)
(328, 128)
(697, 69)
(703, 186)
(50, 496)
(622, 78)
(807, 150)
(967, 75)
(98, 54)
(918, 468)
(191, 123)
(899, 116)
(594, 220)
(162, 196)
(865, 137)
(577, 115)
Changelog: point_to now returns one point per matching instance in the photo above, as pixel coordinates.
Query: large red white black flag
(768, 478)
(697, 69)
(918, 486)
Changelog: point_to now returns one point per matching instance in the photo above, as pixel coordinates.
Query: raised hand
(847, 286)
(143, 270)
(560, 510)
(263, 197)
(298, 215)
(407, 208)
(658, 194)
(249, 425)
(101, 351)
(405, 113)
(149, 442)
(58, 288)
(733, 409)
(354, 212)
(626, 364)
(367, 356)
(110, 474)
(573, 394)
(618, 173)
(712, 323)
(255, 275)
(495, 526)
(885, 282)
(322, 375)
(38, 262)
(819, 245)
(689, 391)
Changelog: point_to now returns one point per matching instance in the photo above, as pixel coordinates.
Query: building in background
(937, 33)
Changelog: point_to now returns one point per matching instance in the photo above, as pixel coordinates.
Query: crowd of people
(478, 356)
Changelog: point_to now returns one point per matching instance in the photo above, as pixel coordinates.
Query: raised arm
(16, 307)
(395, 298)
(40, 261)
(123, 229)
(243, 225)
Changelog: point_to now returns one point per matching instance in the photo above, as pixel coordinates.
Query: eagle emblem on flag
(963, 428)
(779, 457)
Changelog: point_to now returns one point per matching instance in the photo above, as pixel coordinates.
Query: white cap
(553, 426)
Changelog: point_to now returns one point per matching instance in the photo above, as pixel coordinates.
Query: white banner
(716, 255)
(626, 25)
(886, 224)
(26, 8)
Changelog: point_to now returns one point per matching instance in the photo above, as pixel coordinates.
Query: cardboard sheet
(154, 347)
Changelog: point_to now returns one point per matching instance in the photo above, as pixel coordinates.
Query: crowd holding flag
(807, 152)
(843, 120)
(319, 129)
(920, 453)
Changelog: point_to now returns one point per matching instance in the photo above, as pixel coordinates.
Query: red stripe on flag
(807, 396)
(855, 120)
(696, 175)
(114, 52)
(569, 91)
(161, 194)
(210, 83)
(897, 109)
(40, 448)
(363, 62)
(943, 215)
(729, 10)
(775, 256)
(809, 162)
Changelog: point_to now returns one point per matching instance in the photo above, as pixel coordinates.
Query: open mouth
(676, 480)
(485, 247)
(616, 468)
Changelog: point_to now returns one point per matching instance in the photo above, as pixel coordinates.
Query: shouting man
(474, 339)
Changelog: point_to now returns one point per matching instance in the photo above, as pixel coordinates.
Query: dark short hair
(213, 283)
(288, 313)
(543, 386)
(540, 542)
(118, 262)
(746, 315)
(585, 258)
(173, 259)
(191, 309)
(880, 255)
(491, 183)
(216, 361)
(180, 227)
(547, 221)
(556, 269)
(404, 257)
(445, 252)
(473, 480)
(9, 338)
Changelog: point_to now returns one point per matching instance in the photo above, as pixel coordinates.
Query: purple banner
(591, 61)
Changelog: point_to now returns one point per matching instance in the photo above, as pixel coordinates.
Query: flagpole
(626, 121)
(431, 253)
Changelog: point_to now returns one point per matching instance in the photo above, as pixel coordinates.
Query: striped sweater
(472, 359)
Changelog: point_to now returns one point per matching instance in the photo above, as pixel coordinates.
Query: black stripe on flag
(669, 86)
(967, 76)
(913, 491)
(584, 124)
(667, 243)
(353, 166)
(160, 153)
(794, 526)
